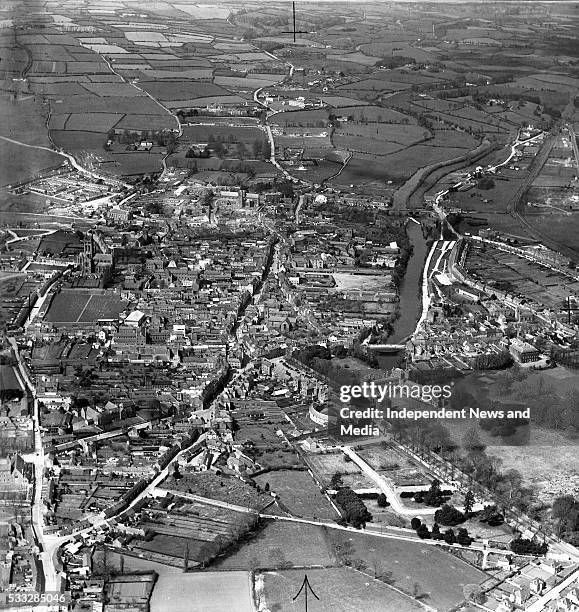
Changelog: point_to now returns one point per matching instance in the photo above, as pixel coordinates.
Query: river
(410, 295)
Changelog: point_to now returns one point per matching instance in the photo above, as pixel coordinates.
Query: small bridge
(386, 347)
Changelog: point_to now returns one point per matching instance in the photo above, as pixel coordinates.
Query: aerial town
(289, 306)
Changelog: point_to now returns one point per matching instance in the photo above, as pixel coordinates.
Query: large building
(523, 352)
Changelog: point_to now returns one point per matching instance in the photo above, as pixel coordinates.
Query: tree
(468, 502)
(377, 566)
(433, 496)
(415, 523)
(474, 593)
(449, 515)
(522, 546)
(566, 512)
(491, 515)
(423, 532)
(265, 149)
(449, 536)
(463, 538)
(353, 508)
(336, 481)
(436, 535)
(471, 441)
(382, 501)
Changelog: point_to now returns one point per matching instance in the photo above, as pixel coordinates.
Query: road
(573, 138)
(91, 173)
(143, 91)
(50, 575)
(535, 167)
(54, 542)
(40, 303)
(440, 467)
(391, 533)
(270, 113)
(511, 206)
(552, 595)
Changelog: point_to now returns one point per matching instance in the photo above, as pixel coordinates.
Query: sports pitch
(75, 306)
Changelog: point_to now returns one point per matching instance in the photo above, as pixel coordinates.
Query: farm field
(320, 171)
(182, 90)
(131, 164)
(363, 172)
(561, 229)
(339, 590)
(402, 164)
(343, 101)
(439, 575)
(298, 493)
(226, 134)
(19, 163)
(497, 197)
(23, 120)
(268, 549)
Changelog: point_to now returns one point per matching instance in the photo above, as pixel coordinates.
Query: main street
(50, 577)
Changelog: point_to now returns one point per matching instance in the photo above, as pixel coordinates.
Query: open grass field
(82, 306)
(321, 171)
(138, 105)
(377, 114)
(298, 493)
(202, 592)
(363, 172)
(401, 134)
(131, 163)
(94, 122)
(182, 90)
(339, 101)
(437, 574)
(339, 590)
(78, 140)
(23, 120)
(18, 163)
(268, 548)
(204, 133)
(146, 122)
(402, 164)
(562, 229)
